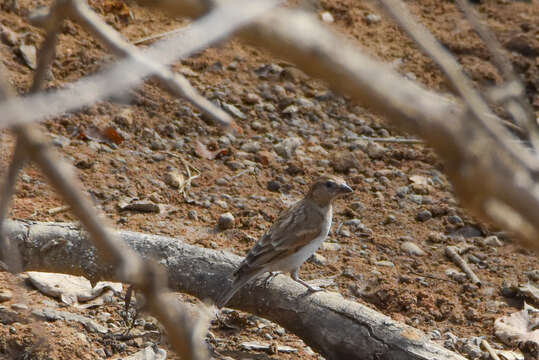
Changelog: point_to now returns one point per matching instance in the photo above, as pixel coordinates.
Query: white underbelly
(294, 261)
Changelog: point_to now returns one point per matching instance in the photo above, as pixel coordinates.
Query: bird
(296, 234)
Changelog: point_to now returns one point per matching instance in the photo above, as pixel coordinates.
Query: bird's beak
(345, 189)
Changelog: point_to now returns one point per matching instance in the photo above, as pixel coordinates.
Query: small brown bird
(293, 238)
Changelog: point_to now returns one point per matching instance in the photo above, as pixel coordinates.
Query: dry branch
(453, 254)
(337, 328)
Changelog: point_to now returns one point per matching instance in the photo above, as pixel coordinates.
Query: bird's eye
(330, 184)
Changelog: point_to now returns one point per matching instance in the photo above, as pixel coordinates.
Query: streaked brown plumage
(296, 234)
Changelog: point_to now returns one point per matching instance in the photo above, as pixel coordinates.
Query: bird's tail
(240, 279)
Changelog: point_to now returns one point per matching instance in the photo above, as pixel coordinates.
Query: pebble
(318, 259)
(384, 263)
(327, 17)
(273, 185)
(390, 219)
(5, 295)
(412, 248)
(331, 246)
(174, 178)
(375, 150)
(455, 220)
(251, 99)
(423, 215)
(251, 147)
(373, 19)
(436, 237)
(192, 214)
(402, 191)
(456, 275)
(226, 221)
(60, 141)
(287, 147)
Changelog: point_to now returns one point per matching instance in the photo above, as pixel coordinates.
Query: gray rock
(251, 147)
(375, 150)
(287, 147)
(226, 221)
(412, 248)
(29, 54)
(192, 214)
(423, 215)
(373, 19)
(384, 263)
(331, 246)
(390, 219)
(60, 141)
(273, 185)
(455, 220)
(318, 259)
(402, 191)
(251, 99)
(456, 275)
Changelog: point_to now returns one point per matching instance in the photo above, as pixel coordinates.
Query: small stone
(375, 150)
(318, 259)
(226, 221)
(5, 295)
(327, 17)
(331, 246)
(455, 220)
(251, 147)
(402, 191)
(493, 241)
(287, 147)
(412, 248)
(273, 185)
(174, 178)
(344, 161)
(373, 19)
(423, 215)
(344, 233)
(366, 130)
(29, 54)
(458, 276)
(251, 99)
(437, 238)
(390, 219)
(384, 263)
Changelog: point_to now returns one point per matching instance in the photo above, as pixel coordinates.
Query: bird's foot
(310, 287)
(270, 277)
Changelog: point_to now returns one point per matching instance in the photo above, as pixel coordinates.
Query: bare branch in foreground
(335, 327)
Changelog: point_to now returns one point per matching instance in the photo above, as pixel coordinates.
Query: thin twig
(490, 350)
(453, 253)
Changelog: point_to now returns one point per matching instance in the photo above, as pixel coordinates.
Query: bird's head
(327, 188)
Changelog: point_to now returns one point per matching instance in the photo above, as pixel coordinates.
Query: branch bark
(336, 327)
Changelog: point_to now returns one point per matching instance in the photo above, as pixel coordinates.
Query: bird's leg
(295, 277)
(270, 277)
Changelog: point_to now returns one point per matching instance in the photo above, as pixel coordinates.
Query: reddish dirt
(416, 290)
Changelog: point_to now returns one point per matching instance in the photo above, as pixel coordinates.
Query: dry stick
(125, 74)
(517, 105)
(453, 254)
(452, 70)
(490, 350)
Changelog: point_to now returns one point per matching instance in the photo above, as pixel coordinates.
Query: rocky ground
(387, 246)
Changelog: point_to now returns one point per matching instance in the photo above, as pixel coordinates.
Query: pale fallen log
(337, 328)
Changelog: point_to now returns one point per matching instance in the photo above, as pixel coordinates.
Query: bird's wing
(294, 228)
